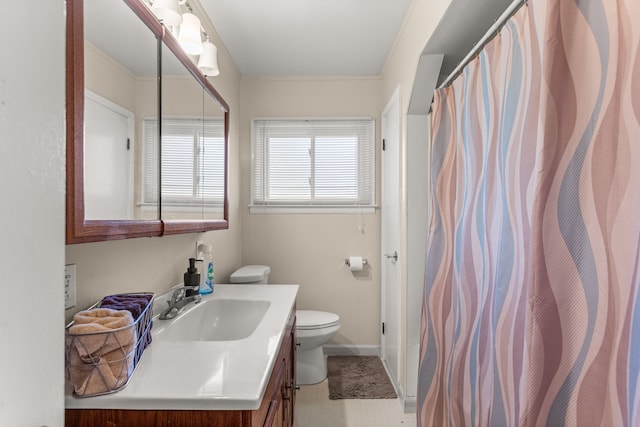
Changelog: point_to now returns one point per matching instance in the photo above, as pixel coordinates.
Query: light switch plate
(69, 285)
(199, 249)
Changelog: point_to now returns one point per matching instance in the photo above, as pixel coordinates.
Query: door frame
(394, 371)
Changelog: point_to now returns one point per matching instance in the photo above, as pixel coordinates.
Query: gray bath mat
(358, 377)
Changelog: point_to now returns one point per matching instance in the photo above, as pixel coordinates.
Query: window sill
(262, 210)
(181, 208)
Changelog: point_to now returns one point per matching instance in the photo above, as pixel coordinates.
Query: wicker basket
(103, 362)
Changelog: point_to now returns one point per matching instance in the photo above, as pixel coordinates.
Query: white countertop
(209, 375)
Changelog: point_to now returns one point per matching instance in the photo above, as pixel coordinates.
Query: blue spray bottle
(206, 285)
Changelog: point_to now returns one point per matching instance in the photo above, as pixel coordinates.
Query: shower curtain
(531, 310)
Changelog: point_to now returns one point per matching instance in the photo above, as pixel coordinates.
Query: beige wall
(155, 264)
(310, 249)
(108, 78)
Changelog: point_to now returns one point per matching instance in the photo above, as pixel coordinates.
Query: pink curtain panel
(531, 310)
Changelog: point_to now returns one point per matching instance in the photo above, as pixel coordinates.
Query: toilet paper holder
(364, 261)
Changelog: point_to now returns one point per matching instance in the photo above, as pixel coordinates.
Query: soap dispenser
(192, 279)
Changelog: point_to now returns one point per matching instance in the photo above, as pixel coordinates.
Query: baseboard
(351, 350)
(410, 405)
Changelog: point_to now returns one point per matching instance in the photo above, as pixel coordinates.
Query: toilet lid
(312, 319)
(249, 273)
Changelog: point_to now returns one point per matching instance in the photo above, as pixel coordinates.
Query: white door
(108, 186)
(390, 235)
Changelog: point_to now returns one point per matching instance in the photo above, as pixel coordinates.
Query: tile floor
(314, 409)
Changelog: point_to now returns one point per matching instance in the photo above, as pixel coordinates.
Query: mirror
(193, 147)
(114, 167)
(121, 95)
(208, 208)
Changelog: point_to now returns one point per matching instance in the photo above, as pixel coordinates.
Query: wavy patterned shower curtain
(531, 311)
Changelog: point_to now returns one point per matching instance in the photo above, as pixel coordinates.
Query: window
(320, 163)
(192, 162)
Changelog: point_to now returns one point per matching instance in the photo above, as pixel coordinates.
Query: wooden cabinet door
(290, 378)
(275, 416)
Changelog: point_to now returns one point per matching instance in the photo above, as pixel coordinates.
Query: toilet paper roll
(355, 263)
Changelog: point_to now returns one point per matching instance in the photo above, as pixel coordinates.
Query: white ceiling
(297, 37)
(308, 37)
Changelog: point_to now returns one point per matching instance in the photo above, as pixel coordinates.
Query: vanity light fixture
(208, 61)
(189, 35)
(187, 29)
(167, 11)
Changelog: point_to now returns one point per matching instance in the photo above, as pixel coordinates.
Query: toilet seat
(313, 319)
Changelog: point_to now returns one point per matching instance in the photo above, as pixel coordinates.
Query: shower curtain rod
(488, 36)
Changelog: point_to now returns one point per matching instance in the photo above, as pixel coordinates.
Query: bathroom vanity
(220, 379)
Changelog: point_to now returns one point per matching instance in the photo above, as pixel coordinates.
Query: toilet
(313, 329)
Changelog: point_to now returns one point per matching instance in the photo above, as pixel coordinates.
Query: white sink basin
(217, 319)
(172, 373)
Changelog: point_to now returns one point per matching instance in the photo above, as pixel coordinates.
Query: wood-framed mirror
(114, 188)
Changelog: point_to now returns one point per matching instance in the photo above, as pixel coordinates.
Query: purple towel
(135, 303)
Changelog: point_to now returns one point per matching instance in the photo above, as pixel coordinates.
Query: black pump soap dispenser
(192, 279)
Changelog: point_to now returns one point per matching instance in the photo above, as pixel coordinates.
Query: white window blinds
(320, 163)
(192, 162)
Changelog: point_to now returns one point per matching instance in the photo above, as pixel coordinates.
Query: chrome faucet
(179, 299)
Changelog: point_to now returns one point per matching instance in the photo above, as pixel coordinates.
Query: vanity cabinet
(277, 405)
(276, 409)
(282, 402)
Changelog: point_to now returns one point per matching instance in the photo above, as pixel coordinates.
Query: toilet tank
(251, 274)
